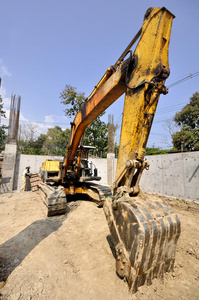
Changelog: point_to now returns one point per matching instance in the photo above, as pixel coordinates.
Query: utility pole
(111, 134)
(111, 146)
(9, 161)
(14, 119)
(182, 144)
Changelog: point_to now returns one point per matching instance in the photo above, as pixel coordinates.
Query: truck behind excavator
(144, 231)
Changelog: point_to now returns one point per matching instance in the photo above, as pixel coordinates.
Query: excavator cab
(87, 169)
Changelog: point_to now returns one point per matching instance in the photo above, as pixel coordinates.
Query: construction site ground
(71, 256)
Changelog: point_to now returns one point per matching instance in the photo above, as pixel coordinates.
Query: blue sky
(46, 44)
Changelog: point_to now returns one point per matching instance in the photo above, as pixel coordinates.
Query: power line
(119, 118)
(161, 111)
(190, 76)
(167, 109)
(171, 107)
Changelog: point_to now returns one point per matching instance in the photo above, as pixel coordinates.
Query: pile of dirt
(70, 256)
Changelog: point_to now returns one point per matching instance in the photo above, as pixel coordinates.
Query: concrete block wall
(173, 174)
(8, 170)
(34, 161)
(101, 165)
(170, 174)
(111, 168)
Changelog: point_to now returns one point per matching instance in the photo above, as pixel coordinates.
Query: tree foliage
(155, 151)
(27, 141)
(2, 127)
(54, 142)
(96, 134)
(188, 120)
(72, 99)
(32, 147)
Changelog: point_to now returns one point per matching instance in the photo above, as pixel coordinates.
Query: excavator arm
(144, 231)
(141, 77)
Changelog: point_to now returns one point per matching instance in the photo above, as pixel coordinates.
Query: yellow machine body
(50, 165)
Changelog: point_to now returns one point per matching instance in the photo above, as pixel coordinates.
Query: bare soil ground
(69, 257)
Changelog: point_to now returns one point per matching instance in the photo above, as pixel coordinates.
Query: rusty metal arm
(108, 93)
(145, 84)
(150, 60)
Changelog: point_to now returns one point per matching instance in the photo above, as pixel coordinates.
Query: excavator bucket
(145, 235)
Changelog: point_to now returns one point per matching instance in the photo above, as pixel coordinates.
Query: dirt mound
(70, 256)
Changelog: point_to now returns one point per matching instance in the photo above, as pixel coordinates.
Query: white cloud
(55, 120)
(6, 100)
(49, 119)
(49, 122)
(22, 118)
(38, 128)
(7, 113)
(25, 123)
(2, 91)
(4, 71)
(6, 103)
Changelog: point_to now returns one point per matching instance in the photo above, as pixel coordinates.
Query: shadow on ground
(111, 245)
(13, 251)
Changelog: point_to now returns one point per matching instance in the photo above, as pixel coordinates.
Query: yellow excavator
(144, 231)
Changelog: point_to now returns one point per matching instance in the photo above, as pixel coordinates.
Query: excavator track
(54, 199)
(101, 191)
(145, 234)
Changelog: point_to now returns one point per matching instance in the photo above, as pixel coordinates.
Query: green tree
(96, 133)
(56, 141)
(28, 143)
(63, 142)
(31, 147)
(188, 120)
(73, 99)
(2, 127)
(155, 151)
(52, 143)
(38, 144)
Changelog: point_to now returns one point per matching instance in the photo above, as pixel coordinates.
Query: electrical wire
(159, 112)
(190, 76)
(173, 107)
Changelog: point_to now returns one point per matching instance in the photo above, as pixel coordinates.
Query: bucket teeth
(147, 233)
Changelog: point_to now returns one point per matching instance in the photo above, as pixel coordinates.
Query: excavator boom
(144, 230)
